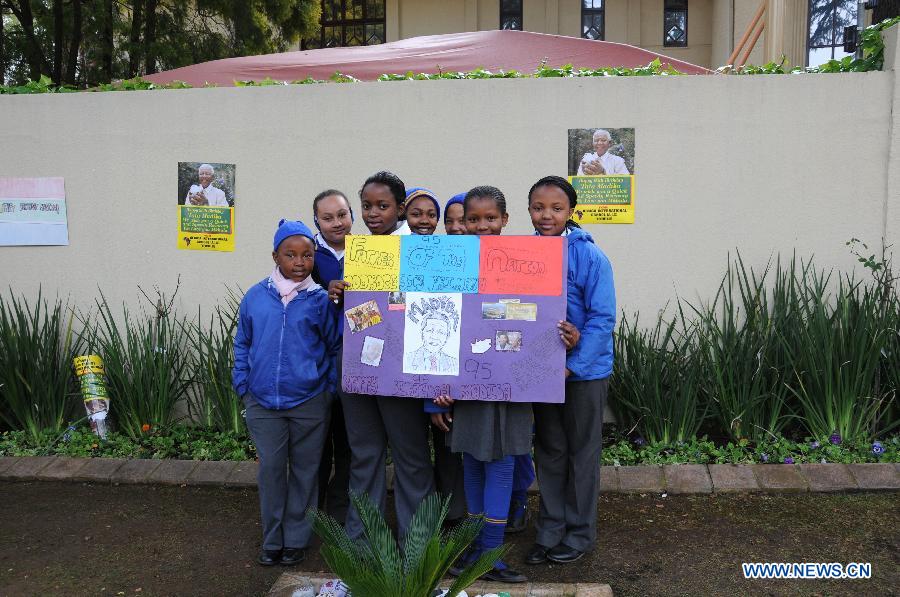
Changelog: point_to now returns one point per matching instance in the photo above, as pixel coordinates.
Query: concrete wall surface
(764, 164)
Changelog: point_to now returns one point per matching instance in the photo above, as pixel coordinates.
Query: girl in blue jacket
(333, 217)
(286, 338)
(568, 437)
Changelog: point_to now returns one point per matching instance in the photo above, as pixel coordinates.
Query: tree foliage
(84, 43)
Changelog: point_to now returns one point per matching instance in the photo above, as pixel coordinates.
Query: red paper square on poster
(521, 265)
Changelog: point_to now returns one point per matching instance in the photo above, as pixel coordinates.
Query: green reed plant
(656, 385)
(213, 401)
(837, 355)
(147, 361)
(379, 567)
(740, 352)
(37, 344)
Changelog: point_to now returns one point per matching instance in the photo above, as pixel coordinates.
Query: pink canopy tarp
(494, 50)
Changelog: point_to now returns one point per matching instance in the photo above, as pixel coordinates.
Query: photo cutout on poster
(363, 316)
(431, 333)
(372, 350)
(508, 341)
(397, 301)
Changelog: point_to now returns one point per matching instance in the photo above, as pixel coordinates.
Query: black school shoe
(563, 554)
(518, 518)
(269, 557)
(461, 562)
(292, 555)
(536, 555)
(506, 575)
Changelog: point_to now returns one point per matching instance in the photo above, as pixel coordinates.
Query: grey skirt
(491, 430)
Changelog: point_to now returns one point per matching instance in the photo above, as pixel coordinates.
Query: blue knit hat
(416, 192)
(458, 198)
(288, 228)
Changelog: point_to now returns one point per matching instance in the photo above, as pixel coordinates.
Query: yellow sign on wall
(604, 199)
(202, 228)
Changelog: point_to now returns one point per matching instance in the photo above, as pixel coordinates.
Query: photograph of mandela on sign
(204, 184)
(431, 334)
(596, 151)
(363, 316)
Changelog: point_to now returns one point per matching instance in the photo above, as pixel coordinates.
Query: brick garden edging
(673, 479)
(288, 582)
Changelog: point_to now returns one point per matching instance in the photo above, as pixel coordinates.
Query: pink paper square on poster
(530, 265)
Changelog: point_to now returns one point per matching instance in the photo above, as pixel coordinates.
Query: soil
(84, 539)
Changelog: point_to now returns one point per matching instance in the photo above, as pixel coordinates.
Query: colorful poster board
(501, 345)
(601, 167)
(33, 212)
(206, 206)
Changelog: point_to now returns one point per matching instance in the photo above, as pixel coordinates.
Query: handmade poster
(372, 262)
(33, 212)
(501, 345)
(206, 206)
(601, 168)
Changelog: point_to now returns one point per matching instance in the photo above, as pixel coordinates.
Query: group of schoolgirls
(287, 371)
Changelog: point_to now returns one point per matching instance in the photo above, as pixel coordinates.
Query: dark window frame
(512, 14)
(682, 7)
(593, 12)
(837, 33)
(345, 24)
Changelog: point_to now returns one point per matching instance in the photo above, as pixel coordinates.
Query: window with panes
(675, 23)
(592, 25)
(511, 14)
(350, 23)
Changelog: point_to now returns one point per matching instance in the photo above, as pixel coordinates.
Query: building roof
(493, 50)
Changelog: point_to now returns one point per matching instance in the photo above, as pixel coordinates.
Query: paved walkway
(674, 479)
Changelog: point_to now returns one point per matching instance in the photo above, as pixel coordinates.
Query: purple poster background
(535, 373)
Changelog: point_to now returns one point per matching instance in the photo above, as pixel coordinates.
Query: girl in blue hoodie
(568, 436)
(286, 338)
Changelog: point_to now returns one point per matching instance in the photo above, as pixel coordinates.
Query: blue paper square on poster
(439, 263)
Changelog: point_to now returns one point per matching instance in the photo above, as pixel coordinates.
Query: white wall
(762, 163)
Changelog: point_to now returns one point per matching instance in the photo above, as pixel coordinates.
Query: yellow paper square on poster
(372, 262)
(204, 228)
(604, 199)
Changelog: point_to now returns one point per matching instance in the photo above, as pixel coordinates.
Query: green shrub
(37, 384)
(147, 362)
(213, 402)
(656, 379)
(377, 567)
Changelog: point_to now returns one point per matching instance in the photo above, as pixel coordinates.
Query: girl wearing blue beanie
(287, 335)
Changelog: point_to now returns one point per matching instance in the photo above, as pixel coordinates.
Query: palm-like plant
(377, 567)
